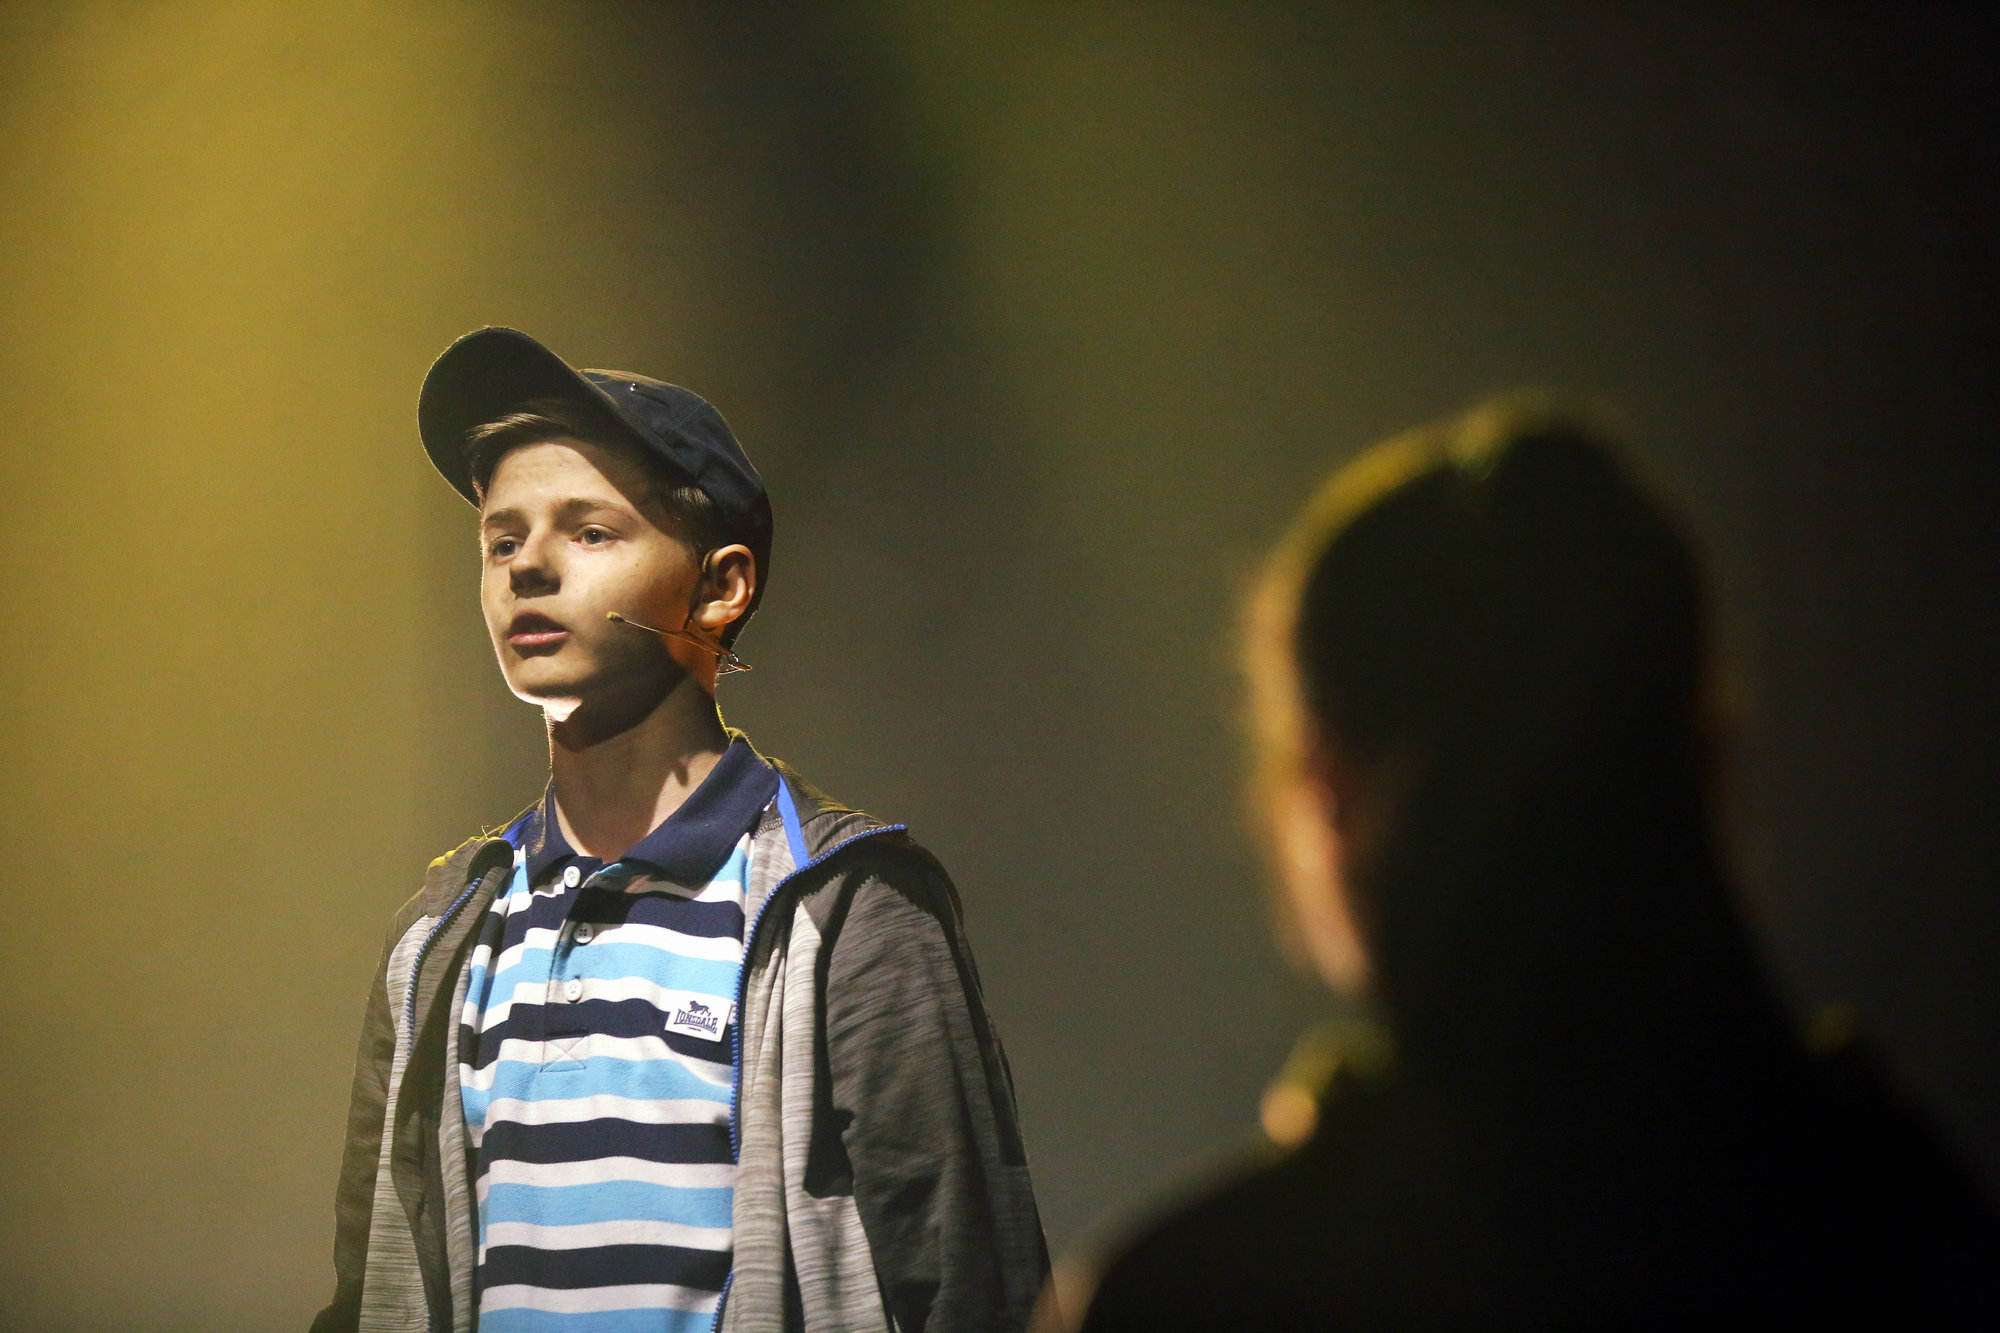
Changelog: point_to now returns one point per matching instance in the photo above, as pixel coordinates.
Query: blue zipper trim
(417, 971)
(743, 971)
(722, 1301)
(416, 975)
(795, 835)
(424, 949)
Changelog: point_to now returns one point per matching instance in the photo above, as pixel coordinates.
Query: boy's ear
(728, 583)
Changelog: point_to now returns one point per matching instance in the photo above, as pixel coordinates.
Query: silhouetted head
(1479, 678)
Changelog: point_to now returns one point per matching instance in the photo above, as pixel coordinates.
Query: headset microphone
(727, 663)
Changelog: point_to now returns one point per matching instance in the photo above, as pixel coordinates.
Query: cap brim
(484, 376)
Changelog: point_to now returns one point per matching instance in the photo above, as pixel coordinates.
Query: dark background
(1040, 321)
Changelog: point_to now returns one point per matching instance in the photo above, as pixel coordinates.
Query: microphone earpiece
(727, 663)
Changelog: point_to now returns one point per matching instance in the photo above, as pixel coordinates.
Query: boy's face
(569, 532)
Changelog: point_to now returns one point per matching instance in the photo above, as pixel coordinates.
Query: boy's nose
(533, 569)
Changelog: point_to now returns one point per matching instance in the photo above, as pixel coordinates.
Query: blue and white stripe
(597, 1101)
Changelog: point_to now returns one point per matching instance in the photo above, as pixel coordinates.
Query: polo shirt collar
(689, 845)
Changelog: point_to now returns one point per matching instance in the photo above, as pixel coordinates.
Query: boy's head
(598, 492)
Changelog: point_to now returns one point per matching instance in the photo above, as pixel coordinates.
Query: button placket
(574, 932)
(561, 990)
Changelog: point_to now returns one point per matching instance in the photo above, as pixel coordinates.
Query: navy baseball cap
(494, 371)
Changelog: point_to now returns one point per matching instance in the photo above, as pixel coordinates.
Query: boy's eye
(502, 547)
(594, 536)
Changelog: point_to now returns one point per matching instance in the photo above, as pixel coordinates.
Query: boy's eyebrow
(581, 504)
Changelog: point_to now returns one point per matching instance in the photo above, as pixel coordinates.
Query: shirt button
(573, 990)
(584, 932)
(572, 877)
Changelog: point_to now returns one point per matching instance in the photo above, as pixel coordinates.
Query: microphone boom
(727, 663)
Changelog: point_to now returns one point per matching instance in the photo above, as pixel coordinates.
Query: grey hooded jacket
(880, 1181)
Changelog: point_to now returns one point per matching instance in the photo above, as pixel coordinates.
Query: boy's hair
(693, 515)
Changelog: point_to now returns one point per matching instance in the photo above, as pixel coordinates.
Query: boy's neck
(612, 790)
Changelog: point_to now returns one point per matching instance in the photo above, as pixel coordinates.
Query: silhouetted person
(1485, 729)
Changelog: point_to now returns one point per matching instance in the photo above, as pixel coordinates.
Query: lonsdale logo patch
(693, 1018)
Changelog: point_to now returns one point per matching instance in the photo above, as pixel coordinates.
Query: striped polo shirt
(596, 1050)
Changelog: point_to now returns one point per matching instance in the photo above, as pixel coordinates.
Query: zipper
(437, 928)
(410, 1003)
(743, 971)
(742, 983)
(423, 952)
(722, 1301)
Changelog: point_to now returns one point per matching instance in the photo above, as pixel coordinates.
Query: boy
(689, 1045)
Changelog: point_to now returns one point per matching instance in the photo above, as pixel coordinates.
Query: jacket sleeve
(919, 1086)
(354, 1196)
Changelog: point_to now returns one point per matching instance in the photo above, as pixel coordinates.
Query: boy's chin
(545, 685)
(560, 693)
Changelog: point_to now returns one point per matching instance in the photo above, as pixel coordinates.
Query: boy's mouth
(532, 629)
